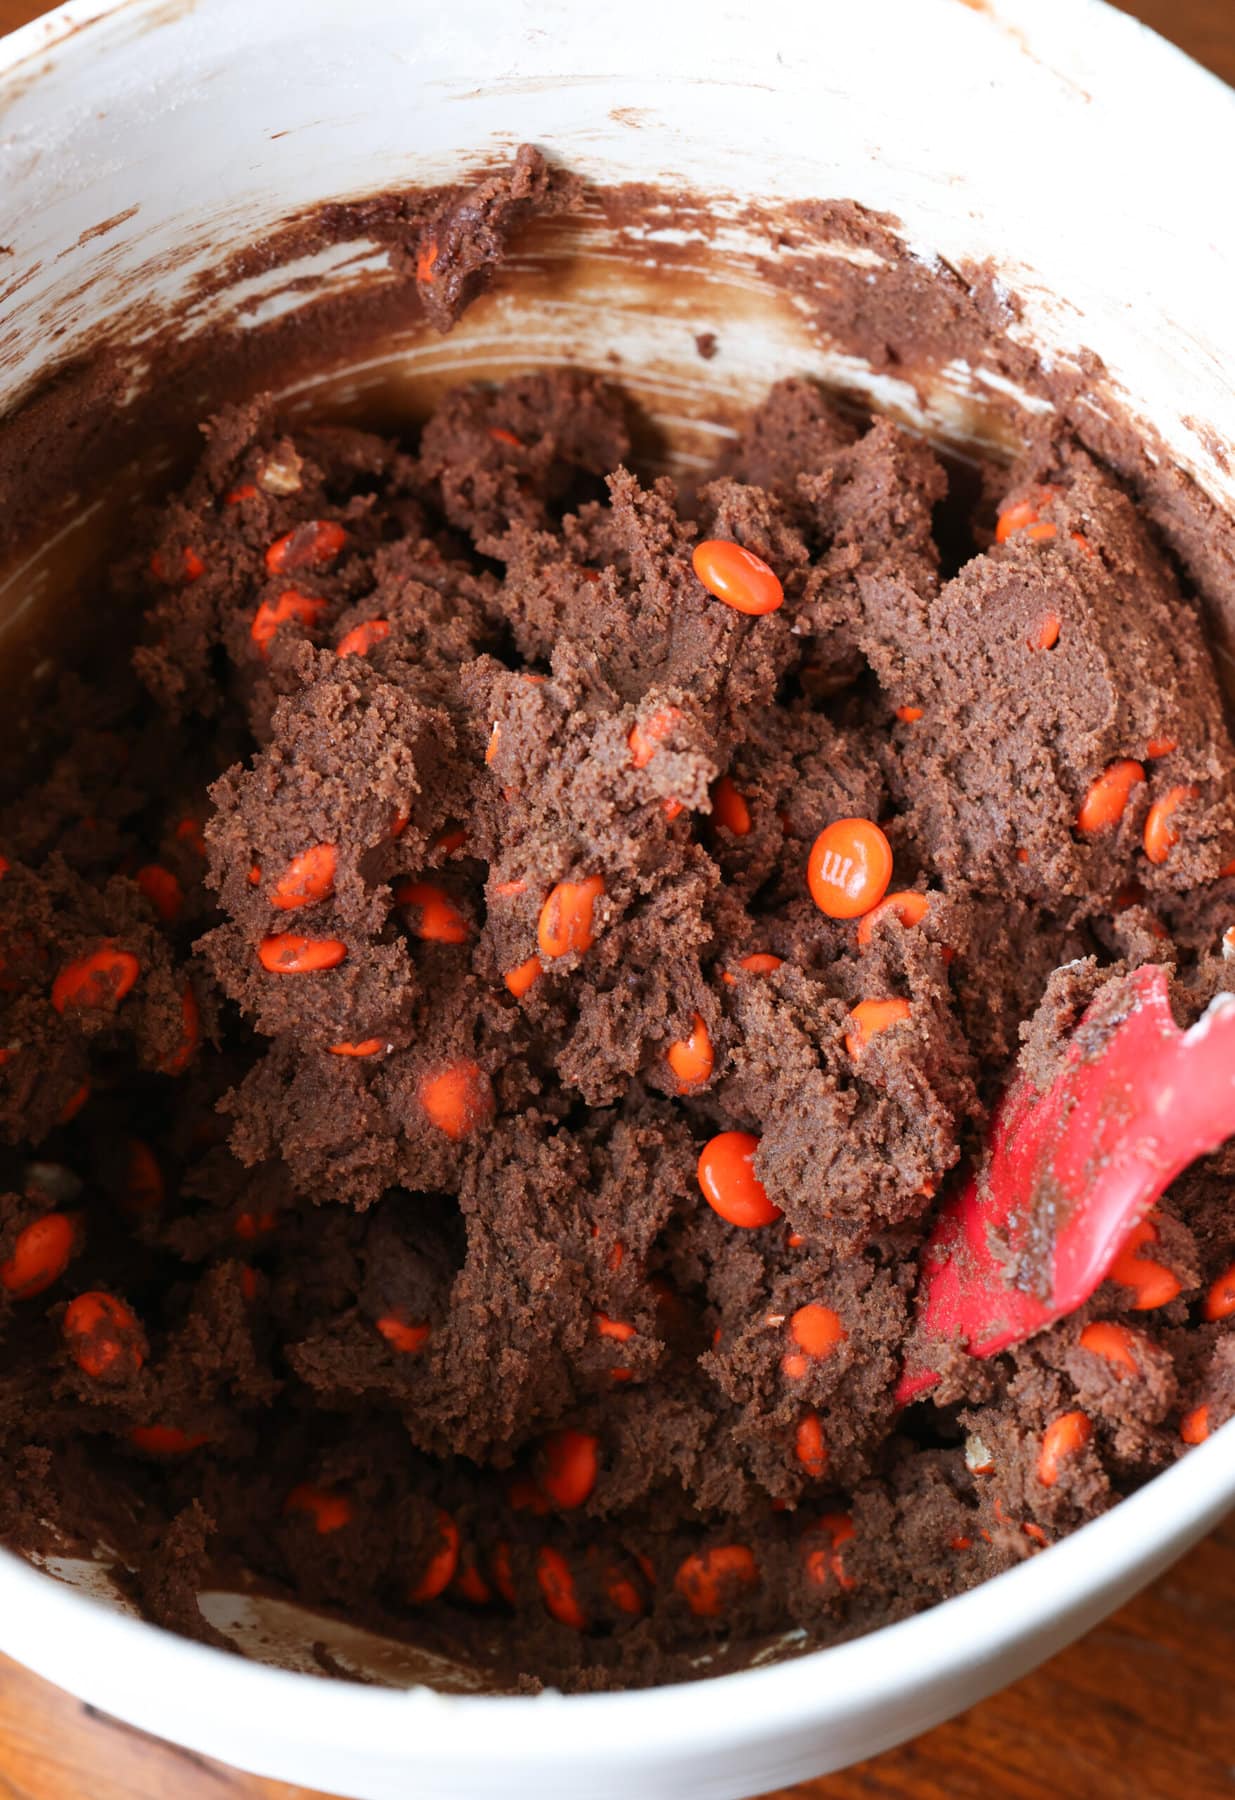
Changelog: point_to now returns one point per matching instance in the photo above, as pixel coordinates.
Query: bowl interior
(143, 204)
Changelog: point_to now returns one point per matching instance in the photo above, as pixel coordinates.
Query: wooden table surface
(1141, 1709)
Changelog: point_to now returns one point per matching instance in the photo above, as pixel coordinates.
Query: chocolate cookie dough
(468, 1148)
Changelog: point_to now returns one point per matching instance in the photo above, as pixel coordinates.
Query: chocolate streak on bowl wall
(916, 318)
(130, 401)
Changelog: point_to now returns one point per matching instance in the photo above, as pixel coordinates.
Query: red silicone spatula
(1070, 1172)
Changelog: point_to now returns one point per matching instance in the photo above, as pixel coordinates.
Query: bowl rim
(41, 1614)
(814, 1688)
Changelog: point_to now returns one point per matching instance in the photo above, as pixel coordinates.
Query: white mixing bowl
(141, 141)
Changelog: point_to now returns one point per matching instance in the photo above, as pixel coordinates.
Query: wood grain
(1141, 1709)
(1204, 28)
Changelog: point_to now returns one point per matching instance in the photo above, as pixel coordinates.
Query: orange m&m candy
(101, 978)
(166, 1440)
(271, 614)
(287, 953)
(692, 1058)
(565, 922)
(557, 1585)
(736, 576)
(470, 1584)
(249, 1226)
(909, 907)
(177, 1061)
(730, 809)
(1161, 836)
(1220, 1300)
(710, 1578)
(448, 841)
(73, 1105)
(817, 1330)
(503, 1574)
(729, 1183)
(759, 962)
(1103, 806)
(622, 1591)
(1024, 515)
(192, 566)
(821, 1550)
(1152, 1282)
(457, 1099)
(571, 1464)
(40, 1256)
(328, 1510)
(361, 638)
(408, 1340)
(1016, 517)
(523, 977)
(426, 257)
(1064, 1437)
(364, 1047)
(1115, 1344)
(440, 1568)
(1047, 634)
(810, 1447)
(870, 1017)
(307, 879)
(620, 1330)
(103, 1337)
(162, 890)
(646, 738)
(1194, 1426)
(440, 920)
(316, 541)
(849, 869)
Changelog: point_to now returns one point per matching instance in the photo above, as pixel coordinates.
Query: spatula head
(1070, 1172)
